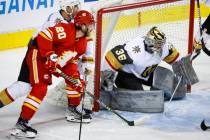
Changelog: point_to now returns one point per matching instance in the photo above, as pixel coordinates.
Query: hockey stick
(201, 30)
(74, 82)
(180, 79)
(195, 54)
(83, 98)
(203, 126)
(130, 123)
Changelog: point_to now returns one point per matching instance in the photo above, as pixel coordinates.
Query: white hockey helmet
(155, 40)
(70, 6)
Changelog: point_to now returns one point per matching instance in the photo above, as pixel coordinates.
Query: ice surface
(180, 121)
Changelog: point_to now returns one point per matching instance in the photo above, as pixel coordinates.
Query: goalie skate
(23, 130)
(73, 115)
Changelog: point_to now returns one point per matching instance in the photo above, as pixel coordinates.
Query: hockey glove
(51, 63)
(88, 71)
(197, 45)
(78, 85)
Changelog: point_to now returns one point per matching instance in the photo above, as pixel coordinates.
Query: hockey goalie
(136, 64)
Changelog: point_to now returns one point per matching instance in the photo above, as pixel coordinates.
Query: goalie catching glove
(51, 64)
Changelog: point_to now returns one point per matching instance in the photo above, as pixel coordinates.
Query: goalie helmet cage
(117, 24)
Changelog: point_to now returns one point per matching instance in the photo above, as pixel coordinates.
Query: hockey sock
(5, 98)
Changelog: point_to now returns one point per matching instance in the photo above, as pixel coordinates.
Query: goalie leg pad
(181, 90)
(163, 79)
(134, 100)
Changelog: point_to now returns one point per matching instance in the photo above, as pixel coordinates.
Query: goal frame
(98, 46)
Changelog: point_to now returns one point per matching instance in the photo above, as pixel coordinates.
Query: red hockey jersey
(61, 39)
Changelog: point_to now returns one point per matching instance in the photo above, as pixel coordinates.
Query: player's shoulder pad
(118, 56)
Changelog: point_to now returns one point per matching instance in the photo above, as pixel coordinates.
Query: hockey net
(122, 20)
(117, 24)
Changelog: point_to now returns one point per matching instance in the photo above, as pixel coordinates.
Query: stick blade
(131, 123)
(203, 126)
(142, 120)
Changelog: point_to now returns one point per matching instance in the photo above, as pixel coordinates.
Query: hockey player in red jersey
(21, 87)
(68, 8)
(57, 47)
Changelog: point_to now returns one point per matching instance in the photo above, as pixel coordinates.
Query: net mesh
(172, 17)
(120, 26)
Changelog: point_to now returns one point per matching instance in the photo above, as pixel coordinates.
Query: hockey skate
(23, 130)
(73, 115)
(88, 112)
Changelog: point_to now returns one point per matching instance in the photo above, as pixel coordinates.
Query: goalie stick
(203, 126)
(130, 123)
(201, 30)
(180, 79)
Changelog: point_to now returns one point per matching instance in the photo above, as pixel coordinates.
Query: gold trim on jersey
(173, 55)
(5, 98)
(73, 95)
(113, 61)
(69, 88)
(47, 34)
(87, 59)
(34, 99)
(34, 64)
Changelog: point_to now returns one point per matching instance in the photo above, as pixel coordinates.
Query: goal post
(117, 24)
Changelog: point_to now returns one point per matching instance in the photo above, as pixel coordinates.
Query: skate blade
(78, 121)
(18, 134)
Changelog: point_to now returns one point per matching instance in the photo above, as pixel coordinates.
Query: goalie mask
(71, 7)
(154, 41)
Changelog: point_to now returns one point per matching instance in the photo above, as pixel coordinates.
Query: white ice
(181, 121)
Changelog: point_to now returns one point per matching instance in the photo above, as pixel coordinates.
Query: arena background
(19, 19)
